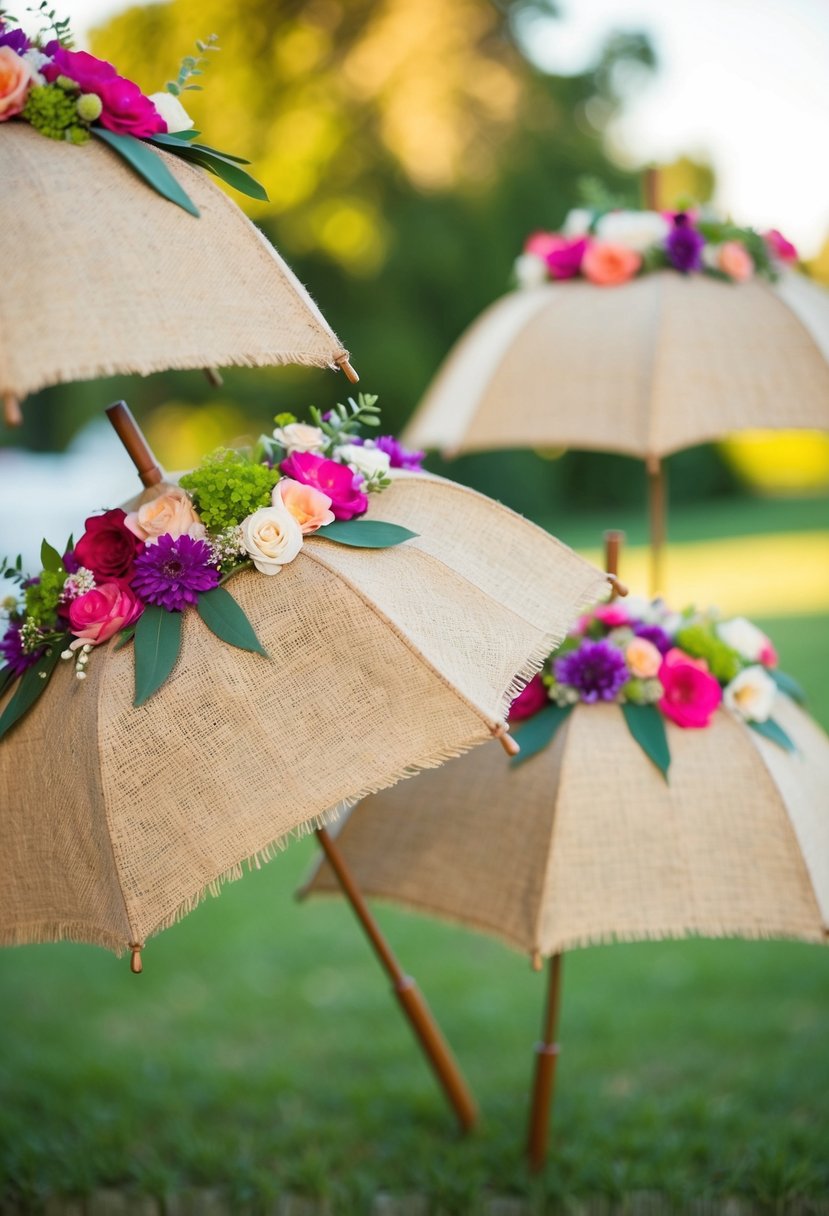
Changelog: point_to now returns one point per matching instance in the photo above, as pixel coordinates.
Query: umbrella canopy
(647, 368)
(129, 283)
(586, 843)
(116, 820)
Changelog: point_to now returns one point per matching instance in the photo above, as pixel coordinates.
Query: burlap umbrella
(586, 843)
(101, 275)
(647, 368)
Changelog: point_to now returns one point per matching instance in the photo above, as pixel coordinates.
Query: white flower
(637, 230)
(745, 638)
(272, 538)
(751, 694)
(365, 459)
(300, 437)
(578, 222)
(36, 60)
(530, 271)
(172, 111)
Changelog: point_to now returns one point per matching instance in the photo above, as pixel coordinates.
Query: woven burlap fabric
(116, 819)
(586, 842)
(647, 368)
(141, 285)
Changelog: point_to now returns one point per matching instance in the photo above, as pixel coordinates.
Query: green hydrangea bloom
(699, 641)
(43, 597)
(227, 486)
(50, 110)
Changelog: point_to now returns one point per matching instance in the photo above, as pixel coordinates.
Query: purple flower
(172, 572)
(12, 653)
(683, 245)
(15, 39)
(399, 457)
(596, 670)
(655, 634)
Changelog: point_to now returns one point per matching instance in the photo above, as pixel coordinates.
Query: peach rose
(170, 514)
(735, 261)
(643, 659)
(309, 506)
(15, 77)
(608, 265)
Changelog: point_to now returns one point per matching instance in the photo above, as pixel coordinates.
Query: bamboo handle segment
(12, 413)
(619, 588)
(138, 450)
(136, 965)
(342, 362)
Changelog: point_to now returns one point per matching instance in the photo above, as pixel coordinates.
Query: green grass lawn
(261, 1051)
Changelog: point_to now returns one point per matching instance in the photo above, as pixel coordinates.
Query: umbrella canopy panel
(656, 365)
(586, 842)
(135, 284)
(382, 662)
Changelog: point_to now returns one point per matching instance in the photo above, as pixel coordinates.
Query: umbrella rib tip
(342, 362)
(510, 745)
(12, 413)
(136, 965)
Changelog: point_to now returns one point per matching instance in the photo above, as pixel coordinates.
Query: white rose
(172, 111)
(742, 636)
(300, 437)
(530, 271)
(272, 538)
(637, 230)
(751, 694)
(369, 461)
(578, 222)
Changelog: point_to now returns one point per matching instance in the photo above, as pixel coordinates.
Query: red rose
(107, 547)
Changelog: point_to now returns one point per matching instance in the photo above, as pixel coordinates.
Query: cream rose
(530, 271)
(577, 222)
(310, 507)
(172, 111)
(170, 514)
(15, 78)
(751, 694)
(300, 437)
(637, 230)
(369, 461)
(749, 641)
(271, 537)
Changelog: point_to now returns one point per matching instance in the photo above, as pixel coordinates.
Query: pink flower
(608, 265)
(691, 693)
(781, 248)
(15, 78)
(101, 613)
(768, 655)
(529, 701)
(735, 261)
(611, 615)
(335, 480)
(309, 507)
(563, 254)
(126, 110)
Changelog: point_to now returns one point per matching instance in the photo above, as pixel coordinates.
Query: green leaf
(222, 166)
(32, 683)
(6, 677)
(365, 533)
(223, 616)
(772, 730)
(157, 643)
(538, 732)
(174, 139)
(647, 726)
(237, 160)
(147, 164)
(50, 559)
(788, 685)
(122, 638)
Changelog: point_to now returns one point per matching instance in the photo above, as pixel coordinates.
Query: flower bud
(89, 106)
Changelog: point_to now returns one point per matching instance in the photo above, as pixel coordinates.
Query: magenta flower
(684, 245)
(341, 485)
(126, 110)
(597, 671)
(778, 245)
(563, 254)
(529, 701)
(12, 653)
(691, 693)
(174, 571)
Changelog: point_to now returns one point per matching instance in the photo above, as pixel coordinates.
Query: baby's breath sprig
(192, 65)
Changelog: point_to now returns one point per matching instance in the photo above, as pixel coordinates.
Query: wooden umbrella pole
(139, 451)
(420, 1017)
(657, 501)
(544, 1077)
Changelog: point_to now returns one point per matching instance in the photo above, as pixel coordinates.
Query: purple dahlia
(174, 571)
(12, 653)
(596, 670)
(684, 244)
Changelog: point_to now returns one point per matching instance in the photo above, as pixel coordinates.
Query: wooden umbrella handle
(132, 437)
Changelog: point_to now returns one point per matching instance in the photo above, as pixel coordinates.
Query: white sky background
(744, 83)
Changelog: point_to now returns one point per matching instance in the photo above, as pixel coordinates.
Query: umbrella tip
(619, 588)
(536, 961)
(12, 413)
(501, 733)
(136, 966)
(344, 366)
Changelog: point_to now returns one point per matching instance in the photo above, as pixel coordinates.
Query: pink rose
(768, 655)
(335, 480)
(15, 78)
(309, 507)
(126, 110)
(611, 615)
(734, 260)
(608, 265)
(101, 613)
(563, 254)
(691, 693)
(107, 547)
(170, 514)
(781, 248)
(529, 701)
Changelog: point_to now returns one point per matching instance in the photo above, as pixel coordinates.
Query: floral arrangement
(656, 664)
(132, 575)
(71, 95)
(609, 247)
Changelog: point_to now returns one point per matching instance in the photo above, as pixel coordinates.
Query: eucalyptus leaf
(31, 685)
(123, 638)
(157, 643)
(537, 732)
(147, 164)
(175, 140)
(223, 167)
(788, 685)
(647, 726)
(223, 616)
(774, 731)
(365, 533)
